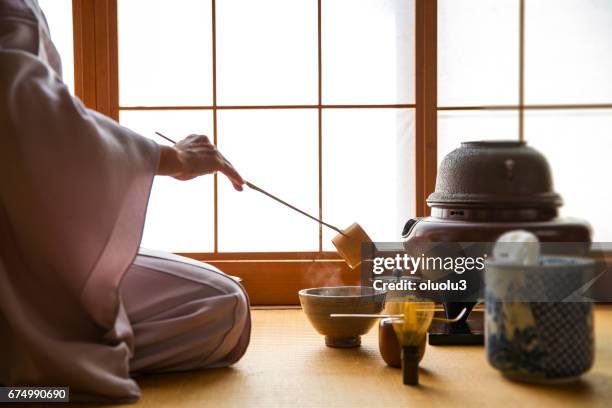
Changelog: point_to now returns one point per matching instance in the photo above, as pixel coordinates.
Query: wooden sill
(275, 278)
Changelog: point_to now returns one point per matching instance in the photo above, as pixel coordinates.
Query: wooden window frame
(96, 68)
(271, 278)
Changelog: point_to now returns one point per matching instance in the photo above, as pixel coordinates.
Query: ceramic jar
(537, 326)
(389, 346)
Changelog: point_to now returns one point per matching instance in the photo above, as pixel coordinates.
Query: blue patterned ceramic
(537, 327)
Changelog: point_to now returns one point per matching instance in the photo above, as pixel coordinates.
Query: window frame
(271, 278)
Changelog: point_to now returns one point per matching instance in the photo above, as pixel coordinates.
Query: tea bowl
(319, 303)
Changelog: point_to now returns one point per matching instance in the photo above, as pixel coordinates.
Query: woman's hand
(195, 156)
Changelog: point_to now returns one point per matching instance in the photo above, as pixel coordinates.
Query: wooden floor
(287, 365)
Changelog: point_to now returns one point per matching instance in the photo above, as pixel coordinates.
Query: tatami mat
(288, 365)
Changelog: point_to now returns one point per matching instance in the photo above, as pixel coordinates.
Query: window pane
(180, 215)
(266, 52)
(455, 127)
(478, 52)
(368, 51)
(577, 145)
(165, 52)
(567, 51)
(278, 151)
(368, 176)
(59, 16)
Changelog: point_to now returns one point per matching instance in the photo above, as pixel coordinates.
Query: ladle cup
(348, 244)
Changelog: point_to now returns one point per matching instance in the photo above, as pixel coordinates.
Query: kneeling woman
(80, 304)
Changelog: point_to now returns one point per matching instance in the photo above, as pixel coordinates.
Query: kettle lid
(494, 173)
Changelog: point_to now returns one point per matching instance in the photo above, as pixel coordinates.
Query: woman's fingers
(233, 175)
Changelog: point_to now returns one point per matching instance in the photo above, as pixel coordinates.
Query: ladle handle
(165, 137)
(264, 192)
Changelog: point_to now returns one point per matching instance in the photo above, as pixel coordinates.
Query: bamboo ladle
(347, 242)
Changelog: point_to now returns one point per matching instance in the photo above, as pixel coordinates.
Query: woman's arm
(169, 163)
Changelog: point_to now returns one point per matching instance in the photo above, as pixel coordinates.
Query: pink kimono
(80, 305)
